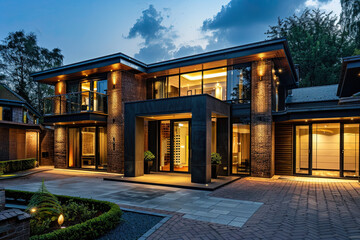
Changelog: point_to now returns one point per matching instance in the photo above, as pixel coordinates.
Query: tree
(20, 55)
(317, 44)
(350, 20)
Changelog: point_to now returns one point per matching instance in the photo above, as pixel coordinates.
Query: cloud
(158, 39)
(244, 21)
(238, 22)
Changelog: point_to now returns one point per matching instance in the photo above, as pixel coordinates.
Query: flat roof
(122, 61)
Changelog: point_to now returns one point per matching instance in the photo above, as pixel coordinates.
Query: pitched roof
(313, 94)
(11, 97)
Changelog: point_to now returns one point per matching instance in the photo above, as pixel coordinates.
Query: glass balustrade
(77, 102)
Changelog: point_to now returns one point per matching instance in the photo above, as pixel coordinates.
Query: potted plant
(215, 164)
(148, 161)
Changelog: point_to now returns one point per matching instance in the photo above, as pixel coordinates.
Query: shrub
(149, 156)
(16, 165)
(90, 229)
(75, 212)
(46, 208)
(215, 158)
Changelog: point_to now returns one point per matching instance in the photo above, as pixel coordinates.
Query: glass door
(302, 149)
(180, 147)
(350, 150)
(88, 147)
(174, 146)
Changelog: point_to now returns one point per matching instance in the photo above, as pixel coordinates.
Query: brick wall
(47, 147)
(261, 122)
(14, 224)
(60, 104)
(122, 87)
(60, 140)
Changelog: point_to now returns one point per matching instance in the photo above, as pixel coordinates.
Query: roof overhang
(276, 49)
(350, 77)
(114, 62)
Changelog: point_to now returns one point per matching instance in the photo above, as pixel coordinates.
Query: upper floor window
(239, 83)
(227, 83)
(5, 113)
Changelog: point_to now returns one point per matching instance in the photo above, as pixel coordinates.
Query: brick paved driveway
(292, 209)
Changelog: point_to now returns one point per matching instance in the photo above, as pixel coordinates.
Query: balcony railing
(77, 102)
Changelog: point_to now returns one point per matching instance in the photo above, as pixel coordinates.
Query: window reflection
(215, 83)
(239, 80)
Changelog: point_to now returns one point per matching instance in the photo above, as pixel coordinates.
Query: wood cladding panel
(284, 149)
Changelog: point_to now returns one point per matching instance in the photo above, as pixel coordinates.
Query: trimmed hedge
(90, 229)
(10, 166)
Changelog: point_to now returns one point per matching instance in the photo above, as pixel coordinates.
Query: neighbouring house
(21, 135)
(242, 102)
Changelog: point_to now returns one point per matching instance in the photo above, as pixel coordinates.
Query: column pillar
(200, 142)
(60, 140)
(115, 124)
(261, 120)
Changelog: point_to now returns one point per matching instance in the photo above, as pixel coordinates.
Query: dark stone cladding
(200, 106)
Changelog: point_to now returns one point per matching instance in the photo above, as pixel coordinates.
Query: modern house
(19, 128)
(242, 102)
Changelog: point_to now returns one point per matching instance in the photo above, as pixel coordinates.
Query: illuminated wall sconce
(261, 68)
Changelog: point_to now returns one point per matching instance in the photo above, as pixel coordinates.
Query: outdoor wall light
(61, 219)
(261, 68)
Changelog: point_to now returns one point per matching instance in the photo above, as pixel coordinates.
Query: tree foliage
(20, 55)
(350, 21)
(317, 43)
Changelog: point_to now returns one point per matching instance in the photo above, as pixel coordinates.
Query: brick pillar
(261, 121)
(115, 124)
(60, 103)
(60, 140)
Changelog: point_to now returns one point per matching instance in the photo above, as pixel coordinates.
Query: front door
(174, 146)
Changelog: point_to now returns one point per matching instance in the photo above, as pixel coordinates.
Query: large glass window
(351, 150)
(239, 80)
(241, 149)
(190, 84)
(326, 149)
(215, 83)
(173, 86)
(302, 149)
(160, 88)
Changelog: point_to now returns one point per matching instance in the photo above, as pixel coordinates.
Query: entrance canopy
(201, 108)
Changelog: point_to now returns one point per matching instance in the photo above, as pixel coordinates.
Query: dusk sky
(147, 30)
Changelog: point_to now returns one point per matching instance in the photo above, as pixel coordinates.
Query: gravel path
(133, 226)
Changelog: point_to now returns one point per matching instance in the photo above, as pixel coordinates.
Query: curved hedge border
(10, 166)
(90, 229)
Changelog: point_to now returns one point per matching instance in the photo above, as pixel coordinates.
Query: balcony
(78, 106)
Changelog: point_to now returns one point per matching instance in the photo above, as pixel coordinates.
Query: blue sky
(148, 30)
